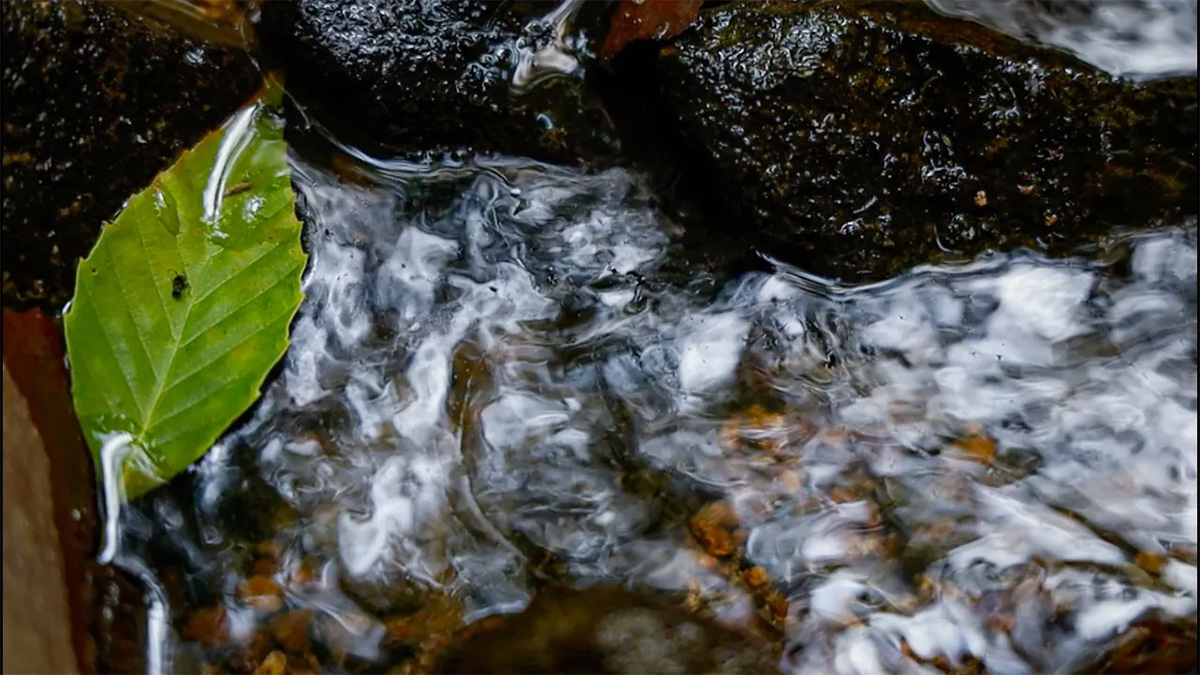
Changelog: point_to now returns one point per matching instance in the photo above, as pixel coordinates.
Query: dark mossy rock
(421, 78)
(96, 103)
(860, 138)
(604, 630)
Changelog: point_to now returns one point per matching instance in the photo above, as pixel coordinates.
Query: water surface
(507, 376)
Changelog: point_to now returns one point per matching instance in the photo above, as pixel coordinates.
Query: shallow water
(507, 376)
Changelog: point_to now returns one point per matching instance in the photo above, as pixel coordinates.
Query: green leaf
(183, 306)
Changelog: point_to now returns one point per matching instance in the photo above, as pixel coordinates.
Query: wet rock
(208, 626)
(382, 594)
(862, 138)
(604, 630)
(261, 593)
(95, 104)
(715, 527)
(419, 78)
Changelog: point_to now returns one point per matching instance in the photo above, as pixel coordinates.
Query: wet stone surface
(859, 139)
(420, 79)
(95, 104)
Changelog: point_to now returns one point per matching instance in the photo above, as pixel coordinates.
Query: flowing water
(503, 376)
(1140, 39)
(507, 375)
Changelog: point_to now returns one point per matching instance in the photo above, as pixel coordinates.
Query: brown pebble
(842, 495)
(399, 630)
(777, 603)
(756, 428)
(729, 434)
(713, 527)
(262, 593)
(1151, 646)
(427, 629)
(290, 630)
(217, 10)
(769, 428)
(275, 664)
(757, 577)
(1025, 190)
(303, 576)
(981, 199)
(791, 481)
(1152, 563)
(264, 566)
(305, 665)
(208, 626)
(978, 449)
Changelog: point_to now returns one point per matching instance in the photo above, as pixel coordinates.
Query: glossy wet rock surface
(419, 78)
(858, 139)
(95, 105)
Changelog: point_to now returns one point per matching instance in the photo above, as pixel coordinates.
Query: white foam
(709, 349)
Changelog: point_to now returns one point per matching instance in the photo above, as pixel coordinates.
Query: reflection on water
(505, 377)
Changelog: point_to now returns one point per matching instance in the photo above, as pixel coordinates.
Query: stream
(508, 375)
(501, 377)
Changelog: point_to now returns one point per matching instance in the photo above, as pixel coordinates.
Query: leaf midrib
(179, 342)
(176, 347)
